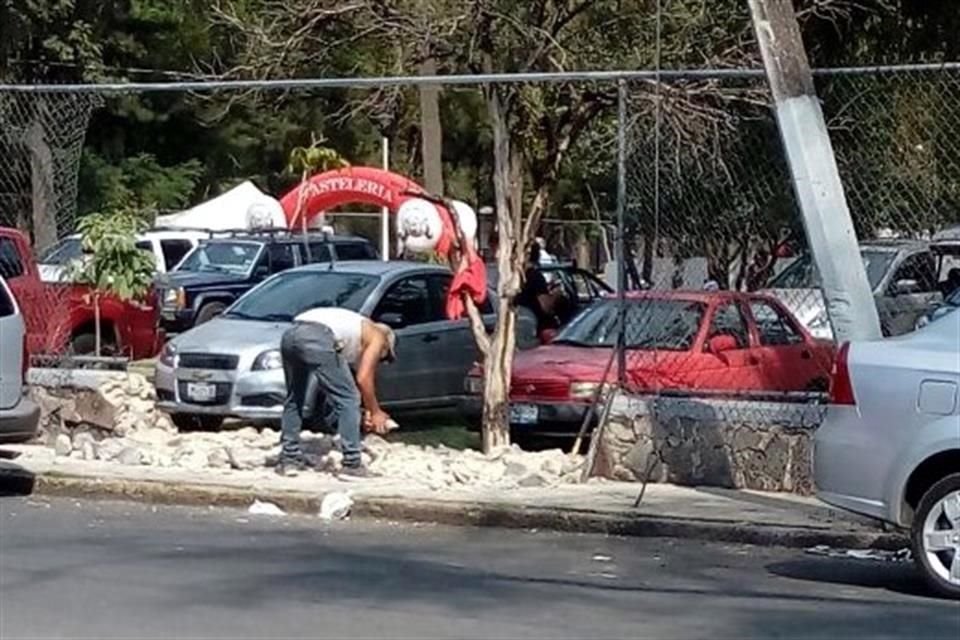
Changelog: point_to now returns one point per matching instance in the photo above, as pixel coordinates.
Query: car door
(456, 351)
(732, 370)
(29, 293)
(911, 293)
(11, 350)
(787, 360)
(412, 378)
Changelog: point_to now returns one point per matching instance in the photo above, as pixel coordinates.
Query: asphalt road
(111, 570)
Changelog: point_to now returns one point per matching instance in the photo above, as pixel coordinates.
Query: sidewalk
(595, 507)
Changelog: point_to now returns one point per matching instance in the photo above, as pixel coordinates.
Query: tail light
(841, 386)
(25, 363)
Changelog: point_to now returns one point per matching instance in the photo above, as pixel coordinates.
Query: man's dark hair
(534, 255)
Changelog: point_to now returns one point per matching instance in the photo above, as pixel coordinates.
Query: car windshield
(802, 274)
(225, 257)
(63, 252)
(670, 325)
(287, 295)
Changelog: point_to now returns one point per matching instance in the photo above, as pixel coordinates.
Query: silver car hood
(245, 338)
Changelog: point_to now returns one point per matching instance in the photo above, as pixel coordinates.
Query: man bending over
(318, 352)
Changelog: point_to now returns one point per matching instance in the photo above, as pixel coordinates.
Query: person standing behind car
(318, 352)
(536, 295)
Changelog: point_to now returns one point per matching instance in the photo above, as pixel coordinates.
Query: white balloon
(419, 226)
(467, 218)
(265, 213)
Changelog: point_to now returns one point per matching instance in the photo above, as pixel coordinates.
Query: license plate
(524, 414)
(201, 391)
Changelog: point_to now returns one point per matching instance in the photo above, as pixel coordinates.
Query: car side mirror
(722, 343)
(261, 271)
(547, 336)
(393, 320)
(906, 287)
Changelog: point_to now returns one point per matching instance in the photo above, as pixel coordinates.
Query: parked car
(167, 246)
(220, 270)
(19, 416)
(688, 342)
(580, 287)
(889, 446)
(59, 317)
(951, 304)
(902, 275)
(231, 367)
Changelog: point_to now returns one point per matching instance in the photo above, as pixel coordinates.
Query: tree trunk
(649, 248)
(498, 368)
(582, 249)
(98, 338)
(42, 179)
(499, 363)
(431, 131)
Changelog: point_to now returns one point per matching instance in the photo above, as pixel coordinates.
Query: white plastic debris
(601, 558)
(877, 555)
(259, 508)
(336, 505)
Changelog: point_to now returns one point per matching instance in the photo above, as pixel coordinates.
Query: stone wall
(733, 444)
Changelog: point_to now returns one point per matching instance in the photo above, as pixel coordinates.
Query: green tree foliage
(113, 265)
(138, 180)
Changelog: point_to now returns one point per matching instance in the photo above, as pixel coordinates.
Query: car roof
(689, 295)
(253, 237)
(894, 244)
(378, 268)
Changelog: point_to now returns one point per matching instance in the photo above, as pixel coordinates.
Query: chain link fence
(723, 309)
(41, 142)
(728, 303)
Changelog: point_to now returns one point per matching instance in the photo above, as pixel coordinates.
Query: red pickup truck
(60, 317)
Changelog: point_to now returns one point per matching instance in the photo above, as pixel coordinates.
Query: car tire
(196, 422)
(85, 344)
(930, 515)
(209, 311)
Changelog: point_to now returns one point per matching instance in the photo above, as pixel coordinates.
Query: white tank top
(347, 327)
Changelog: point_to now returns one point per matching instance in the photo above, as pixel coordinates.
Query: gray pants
(319, 385)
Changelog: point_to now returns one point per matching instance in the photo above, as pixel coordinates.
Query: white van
(168, 248)
(19, 416)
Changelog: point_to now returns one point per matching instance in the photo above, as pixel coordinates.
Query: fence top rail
(663, 75)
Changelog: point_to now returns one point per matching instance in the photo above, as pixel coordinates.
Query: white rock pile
(118, 423)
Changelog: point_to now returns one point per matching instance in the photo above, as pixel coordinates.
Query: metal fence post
(621, 230)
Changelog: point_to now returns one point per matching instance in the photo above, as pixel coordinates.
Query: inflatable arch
(423, 224)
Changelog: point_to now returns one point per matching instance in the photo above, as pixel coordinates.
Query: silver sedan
(889, 447)
(231, 366)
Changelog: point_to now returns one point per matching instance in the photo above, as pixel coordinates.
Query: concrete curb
(478, 514)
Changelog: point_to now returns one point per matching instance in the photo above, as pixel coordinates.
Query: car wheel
(194, 422)
(85, 344)
(209, 311)
(936, 536)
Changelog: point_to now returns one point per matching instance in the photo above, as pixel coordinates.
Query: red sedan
(703, 343)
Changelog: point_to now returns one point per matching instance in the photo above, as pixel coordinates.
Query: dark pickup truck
(220, 270)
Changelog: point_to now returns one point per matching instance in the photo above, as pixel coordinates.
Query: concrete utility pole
(816, 179)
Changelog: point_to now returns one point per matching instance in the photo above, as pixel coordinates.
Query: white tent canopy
(243, 207)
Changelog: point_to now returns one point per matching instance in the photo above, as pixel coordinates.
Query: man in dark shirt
(536, 295)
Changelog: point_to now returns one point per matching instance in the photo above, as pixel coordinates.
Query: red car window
(728, 320)
(776, 329)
